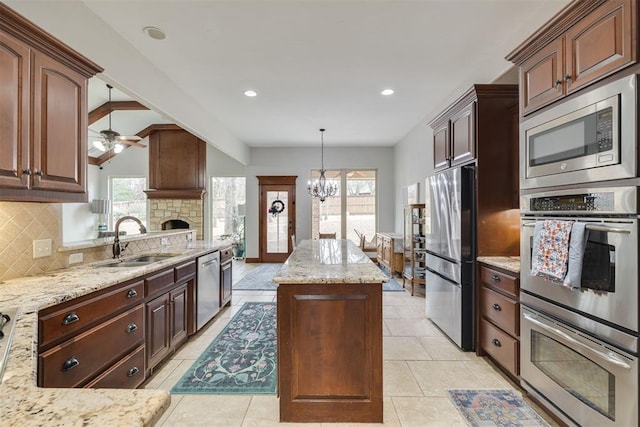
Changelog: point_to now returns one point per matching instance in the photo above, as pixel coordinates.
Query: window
(228, 206)
(128, 198)
(354, 208)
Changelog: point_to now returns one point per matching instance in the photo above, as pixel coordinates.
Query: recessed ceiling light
(387, 92)
(154, 33)
(250, 93)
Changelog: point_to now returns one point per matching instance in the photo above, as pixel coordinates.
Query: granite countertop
(509, 263)
(329, 261)
(25, 403)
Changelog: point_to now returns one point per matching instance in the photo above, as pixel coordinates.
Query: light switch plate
(75, 258)
(41, 248)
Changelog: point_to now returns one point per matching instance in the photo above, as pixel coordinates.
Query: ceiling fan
(112, 140)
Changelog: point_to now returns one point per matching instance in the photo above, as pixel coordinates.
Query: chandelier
(320, 188)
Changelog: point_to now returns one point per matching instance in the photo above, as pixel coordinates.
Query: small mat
(241, 359)
(502, 408)
(261, 279)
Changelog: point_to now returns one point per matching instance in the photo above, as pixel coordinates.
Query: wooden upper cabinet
(587, 41)
(60, 122)
(15, 62)
(541, 77)
(177, 162)
(600, 43)
(441, 147)
(43, 114)
(463, 140)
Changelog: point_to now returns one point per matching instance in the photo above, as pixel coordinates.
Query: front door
(277, 211)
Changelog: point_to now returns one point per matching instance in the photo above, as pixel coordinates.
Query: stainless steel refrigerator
(450, 247)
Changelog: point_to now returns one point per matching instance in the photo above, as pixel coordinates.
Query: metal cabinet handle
(496, 307)
(38, 172)
(70, 363)
(496, 342)
(26, 171)
(495, 278)
(131, 327)
(558, 82)
(70, 318)
(133, 371)
(132, 293)
(567, 77)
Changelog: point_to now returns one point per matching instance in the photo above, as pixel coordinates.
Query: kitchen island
(329, 334)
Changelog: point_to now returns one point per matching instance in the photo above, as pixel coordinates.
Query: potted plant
(237, 237)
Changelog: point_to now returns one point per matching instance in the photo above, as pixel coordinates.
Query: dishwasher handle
(208, 263)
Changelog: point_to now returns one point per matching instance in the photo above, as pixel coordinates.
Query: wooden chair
(369, 248)
(326, 235)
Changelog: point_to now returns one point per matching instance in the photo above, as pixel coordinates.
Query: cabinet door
(600, 43)
(441, 147)
(176, 161)
(541, 78)
(178, 300)
(157, 344)
(59, 127)
(14, 105)
(463, 135)
(225, 283)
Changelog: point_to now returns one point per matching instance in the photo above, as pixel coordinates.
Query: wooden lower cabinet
(390, 252)
(128, 373)
(330, 352)
(226, 276)
(499, 308)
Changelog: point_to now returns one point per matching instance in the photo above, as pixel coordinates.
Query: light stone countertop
(329, 261)
(23, 403)
(509, 263)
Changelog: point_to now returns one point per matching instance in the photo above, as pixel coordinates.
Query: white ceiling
(313, 63)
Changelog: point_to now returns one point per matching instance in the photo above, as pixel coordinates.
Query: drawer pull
(133, 371)
(70, 363)
(131, 327)
(70, 318)
(496, 342)
(495, 278)
(132, 293)
(496, 307)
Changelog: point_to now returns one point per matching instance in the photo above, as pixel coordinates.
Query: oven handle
(592, 227)
(606, 356)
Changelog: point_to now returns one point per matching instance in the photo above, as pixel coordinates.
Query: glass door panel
(327, 215)
(277, 222)
(361, 204)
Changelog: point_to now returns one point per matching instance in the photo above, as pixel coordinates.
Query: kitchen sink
(140, 260)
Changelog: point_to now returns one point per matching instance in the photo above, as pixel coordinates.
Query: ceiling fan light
(117, 148)
(99, 145)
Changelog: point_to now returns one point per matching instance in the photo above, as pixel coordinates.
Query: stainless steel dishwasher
(208, 290)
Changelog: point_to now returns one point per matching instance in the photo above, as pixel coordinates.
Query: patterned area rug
(241, 359)
(500, 408)
(260, 279)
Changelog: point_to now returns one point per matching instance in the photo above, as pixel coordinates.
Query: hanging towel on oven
(551, 249)
(577, 245)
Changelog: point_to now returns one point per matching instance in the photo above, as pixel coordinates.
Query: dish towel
(551, 249)
(577, 244)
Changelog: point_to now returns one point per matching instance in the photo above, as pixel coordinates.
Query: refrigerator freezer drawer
(444, 305)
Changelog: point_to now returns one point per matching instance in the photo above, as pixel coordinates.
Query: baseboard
(252, 260)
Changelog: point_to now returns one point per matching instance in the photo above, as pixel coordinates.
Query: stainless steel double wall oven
(580, 347)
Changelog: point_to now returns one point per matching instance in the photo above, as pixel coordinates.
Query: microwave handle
(593, 227)
(610, 357)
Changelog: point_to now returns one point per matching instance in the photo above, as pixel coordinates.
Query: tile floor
(420, 363)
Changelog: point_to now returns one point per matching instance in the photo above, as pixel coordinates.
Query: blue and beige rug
(502, 408)
(260, 279)
(241, 359)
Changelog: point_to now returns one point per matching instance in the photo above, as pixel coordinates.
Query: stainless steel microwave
(587, 139)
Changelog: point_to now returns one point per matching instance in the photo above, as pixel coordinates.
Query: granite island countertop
(329, 261)
(25, 403)
(509, 263)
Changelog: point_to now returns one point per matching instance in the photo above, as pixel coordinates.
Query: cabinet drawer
(159, 283)
(501, 310)
(54, 324)
(184, 271)
(500, 281)
(76, 360)
(503, 348)
(225, 255)
(127, 373)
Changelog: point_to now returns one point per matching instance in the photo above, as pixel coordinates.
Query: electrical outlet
(164, 241)
(75, 258)
(41, 248)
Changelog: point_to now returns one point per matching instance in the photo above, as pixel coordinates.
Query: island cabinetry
(500, 318)
(226, 276)
(585, 42)
(43, 140)
(330, 352)
(390, 252)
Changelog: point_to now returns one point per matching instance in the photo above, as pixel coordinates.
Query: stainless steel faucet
(117, 246)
